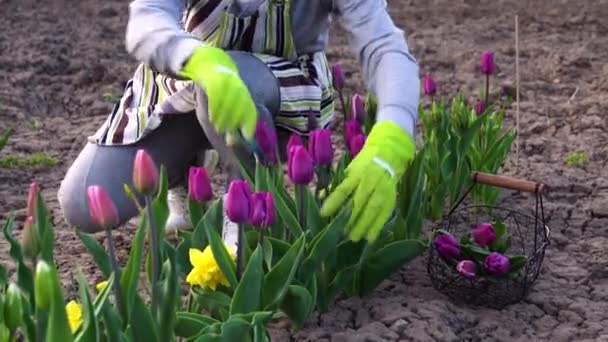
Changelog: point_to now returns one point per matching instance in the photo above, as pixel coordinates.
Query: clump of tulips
(480, 254)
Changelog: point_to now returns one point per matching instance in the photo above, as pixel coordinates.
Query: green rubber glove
(371, 179)
(231, 107)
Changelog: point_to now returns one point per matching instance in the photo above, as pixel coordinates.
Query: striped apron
(304, 79)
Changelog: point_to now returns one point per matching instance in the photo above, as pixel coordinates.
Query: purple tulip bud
(352, 129)
(480, 107)
(238, 202)
(199, 187)
(447, 246)
(338, 76)
(294, 140)
(484, 234)
(263, 209)
(357, 108)
(430, 88)
(300, 166)
(320, 147)
(467, 269)
(101, 208)
(267, 141)
(497, 264)
(145, 173)
(356, 144)
(487, 63)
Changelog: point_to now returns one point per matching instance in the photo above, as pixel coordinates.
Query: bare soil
(62, 63)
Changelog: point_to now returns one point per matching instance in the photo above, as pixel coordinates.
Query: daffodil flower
(74, 311)
(102, 285)
(206, 272)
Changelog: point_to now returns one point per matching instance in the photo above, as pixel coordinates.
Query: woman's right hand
(231, 107)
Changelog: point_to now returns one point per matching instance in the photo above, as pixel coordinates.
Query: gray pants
(174, 144)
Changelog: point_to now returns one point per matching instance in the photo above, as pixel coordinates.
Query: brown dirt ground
(60, 59)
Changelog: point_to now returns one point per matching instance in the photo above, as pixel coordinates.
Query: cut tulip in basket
(489, 255)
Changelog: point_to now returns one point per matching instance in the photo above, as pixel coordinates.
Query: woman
(239, 61)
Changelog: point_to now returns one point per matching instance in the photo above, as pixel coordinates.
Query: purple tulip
(266, 137)
(263, 209)
(480, 107)
(352, 129)
(356, 144)
(320, 147)
(484, 234)
(338, 76)
(238, 202)
(447, 246)
(199, 187)
(487, 63)
(467, 269)
(430, 88)
(294, 140)
(497, 264)
(357, 108)
(300, 166)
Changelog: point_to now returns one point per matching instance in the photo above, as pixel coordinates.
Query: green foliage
(34, 160)
(578, 159)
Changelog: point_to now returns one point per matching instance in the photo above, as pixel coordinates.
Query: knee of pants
(72, 194)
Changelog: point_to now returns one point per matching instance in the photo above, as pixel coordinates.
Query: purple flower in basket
(467, 269)
(497, 264)
(484, 234)
(447, 246)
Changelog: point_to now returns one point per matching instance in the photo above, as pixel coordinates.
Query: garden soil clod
(63, 63)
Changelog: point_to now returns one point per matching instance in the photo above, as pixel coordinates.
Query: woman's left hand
(371, 179)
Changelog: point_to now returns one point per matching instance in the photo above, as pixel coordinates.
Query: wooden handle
(507, 182)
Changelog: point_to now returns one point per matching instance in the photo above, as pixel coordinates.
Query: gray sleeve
(155, 35)
(388, 68)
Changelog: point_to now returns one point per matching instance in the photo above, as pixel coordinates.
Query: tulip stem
(342, 103)
(240, 249)
(115, 269)
(487, 90)
(155, 255)
(301, 200)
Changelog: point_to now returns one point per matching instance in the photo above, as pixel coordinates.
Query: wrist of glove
(371, 180)
(230, 104)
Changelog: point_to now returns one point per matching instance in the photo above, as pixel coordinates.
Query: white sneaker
(230, 232)
(178, 214)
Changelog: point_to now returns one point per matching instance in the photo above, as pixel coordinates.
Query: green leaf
(25, 276)
(214, 217)
(222, 257)
(276, 282)
(475, 252)
(97, 252)
(341, 282)
(160, 205)
(326, 242)
(212, 300)
(44, 230)
(285, 213)
(189, 325)
(196, 211)
(267, 246)
(261, 177)
(236, 329)
(130, 276)
(142, 325)
(248, 292)
(58, 328)
(183, 254)
(89, 331)
(387, 260)
(313, 216)
(517, 262)
(4, 138)
(297, 305)
(279, 247)
(170, 297)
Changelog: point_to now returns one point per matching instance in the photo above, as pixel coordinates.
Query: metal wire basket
(530, 237)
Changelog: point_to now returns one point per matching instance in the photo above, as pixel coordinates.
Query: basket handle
(507, 182)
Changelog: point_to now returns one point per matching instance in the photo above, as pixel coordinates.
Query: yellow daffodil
(74, 311)
(205, 271)
(100, 286)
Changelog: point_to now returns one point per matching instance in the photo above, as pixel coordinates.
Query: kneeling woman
(211, 67)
